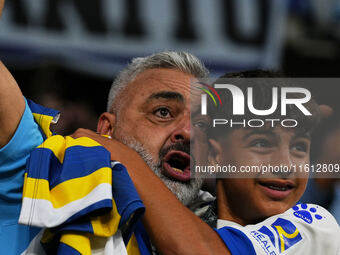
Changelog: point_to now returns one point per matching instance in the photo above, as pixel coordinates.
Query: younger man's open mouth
(276, 189)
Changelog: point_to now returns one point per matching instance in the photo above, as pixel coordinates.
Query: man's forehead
(153, 83)
(161, 77)
(167, 95)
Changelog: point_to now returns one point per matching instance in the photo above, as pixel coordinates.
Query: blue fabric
(89, 159)
(142, 238)
(126, 198)
(79, 223)
(37, 108)
(12, 167)
(81, 158)
(40, 117)
(335, 206)
(236, 241)
(65, 249)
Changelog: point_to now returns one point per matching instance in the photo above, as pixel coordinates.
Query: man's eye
(163, 113)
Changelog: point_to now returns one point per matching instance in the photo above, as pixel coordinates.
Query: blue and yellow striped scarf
(77, 195)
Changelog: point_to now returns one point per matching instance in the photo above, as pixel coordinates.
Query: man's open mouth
(176, 165)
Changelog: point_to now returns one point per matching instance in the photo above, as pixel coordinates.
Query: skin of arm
(172, 227)
(12, 105)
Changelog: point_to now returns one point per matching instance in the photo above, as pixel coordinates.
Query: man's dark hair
(263, 83)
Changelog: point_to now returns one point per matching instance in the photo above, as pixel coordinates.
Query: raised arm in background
(12, 105)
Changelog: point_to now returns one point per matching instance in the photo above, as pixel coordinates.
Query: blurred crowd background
(65, 53)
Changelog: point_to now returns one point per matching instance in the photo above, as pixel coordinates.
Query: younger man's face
(263, 195)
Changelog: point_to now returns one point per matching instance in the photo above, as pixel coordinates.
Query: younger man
(264, 198)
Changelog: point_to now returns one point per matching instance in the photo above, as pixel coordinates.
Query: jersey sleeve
(303, 229)
(12, 166)
(13, 157)
(237, 242)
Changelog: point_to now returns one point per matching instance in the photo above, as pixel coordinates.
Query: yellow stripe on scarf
(106, 225)
(132, 246)
(68, 191)
(44, 121)
(81, 243)
(58, 144)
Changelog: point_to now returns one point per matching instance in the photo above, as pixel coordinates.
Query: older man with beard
(149, 111)
(155, 123)
(172, 227)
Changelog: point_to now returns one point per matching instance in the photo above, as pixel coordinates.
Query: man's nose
(181, 132)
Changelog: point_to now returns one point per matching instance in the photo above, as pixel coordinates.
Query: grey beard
(185, 192)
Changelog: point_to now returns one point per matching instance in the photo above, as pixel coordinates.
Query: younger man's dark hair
(262, 83)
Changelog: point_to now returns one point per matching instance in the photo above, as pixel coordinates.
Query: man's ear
(215, 154)
(106, 123)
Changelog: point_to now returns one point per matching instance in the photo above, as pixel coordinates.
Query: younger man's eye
(201, 125)
(163, 113)
(301, 147)
(261, 143)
